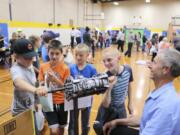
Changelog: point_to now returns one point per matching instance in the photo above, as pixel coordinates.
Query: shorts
(58, 118)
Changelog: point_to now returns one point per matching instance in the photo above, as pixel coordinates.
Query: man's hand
(108, 127)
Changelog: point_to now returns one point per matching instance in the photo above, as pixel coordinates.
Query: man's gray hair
(171, 58)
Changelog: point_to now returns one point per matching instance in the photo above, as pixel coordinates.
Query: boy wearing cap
(54, 73)
(24, 79)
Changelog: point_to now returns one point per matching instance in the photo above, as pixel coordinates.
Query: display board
(135, 32)
(4, 32)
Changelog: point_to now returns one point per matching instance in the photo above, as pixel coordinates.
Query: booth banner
(4, 33)
(136, 32)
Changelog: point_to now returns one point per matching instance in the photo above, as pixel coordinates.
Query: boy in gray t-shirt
(23, 99)
(23, 76)
(25, 92)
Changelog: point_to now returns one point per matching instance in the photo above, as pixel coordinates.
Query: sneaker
(98, 128)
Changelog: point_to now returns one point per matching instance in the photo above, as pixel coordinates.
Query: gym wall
(51, 11)
(155, 15)
(33, 16)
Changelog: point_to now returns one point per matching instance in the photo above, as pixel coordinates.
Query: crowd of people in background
(97, 39)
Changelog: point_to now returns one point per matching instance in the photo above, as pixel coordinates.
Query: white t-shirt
(77, 33)
(120, 36)
(72, 33)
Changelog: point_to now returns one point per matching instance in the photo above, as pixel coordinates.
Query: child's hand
(41, 91)
(112, 81)
(50, 76)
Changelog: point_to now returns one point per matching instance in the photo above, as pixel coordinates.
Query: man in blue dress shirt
(161, 115)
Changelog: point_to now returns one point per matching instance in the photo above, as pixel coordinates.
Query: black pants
(137, 45)
(78, 40)
(93, 50)
(153, 56)
(128, 52)
(107, 114)
(120, 44)
(72, 42)
(178, 48)
(101, 44)
(143, 47)
(121, 130)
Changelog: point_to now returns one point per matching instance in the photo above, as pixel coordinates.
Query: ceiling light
(148, 1)
(116, 3)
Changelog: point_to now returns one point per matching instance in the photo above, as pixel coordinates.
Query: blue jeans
(107, 43)
(143, 47)
(85, 115)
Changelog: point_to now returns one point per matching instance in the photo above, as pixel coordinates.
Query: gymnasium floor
(141, 85)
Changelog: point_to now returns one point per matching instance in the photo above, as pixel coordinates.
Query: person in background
(88, 41)
(47, 37)
(35, 40)
(138, 41)
(2, 49)
(101, 40)
(93, 43)
(12, 40)
(148, 46)
(78, 35)
(176, 42)
(5, 53)
(107, 39)
(154, 48)
(120, 40)
(130, 43)
(72, 37)
(87, 37)
(14, 37)
(163, 44)
(68, 56)
(144, 42)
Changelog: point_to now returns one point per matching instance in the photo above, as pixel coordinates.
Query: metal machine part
(82, 87)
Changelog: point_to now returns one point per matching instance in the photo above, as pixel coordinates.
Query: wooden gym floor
(141, 85)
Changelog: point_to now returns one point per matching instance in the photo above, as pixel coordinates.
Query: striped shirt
(120, 89)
